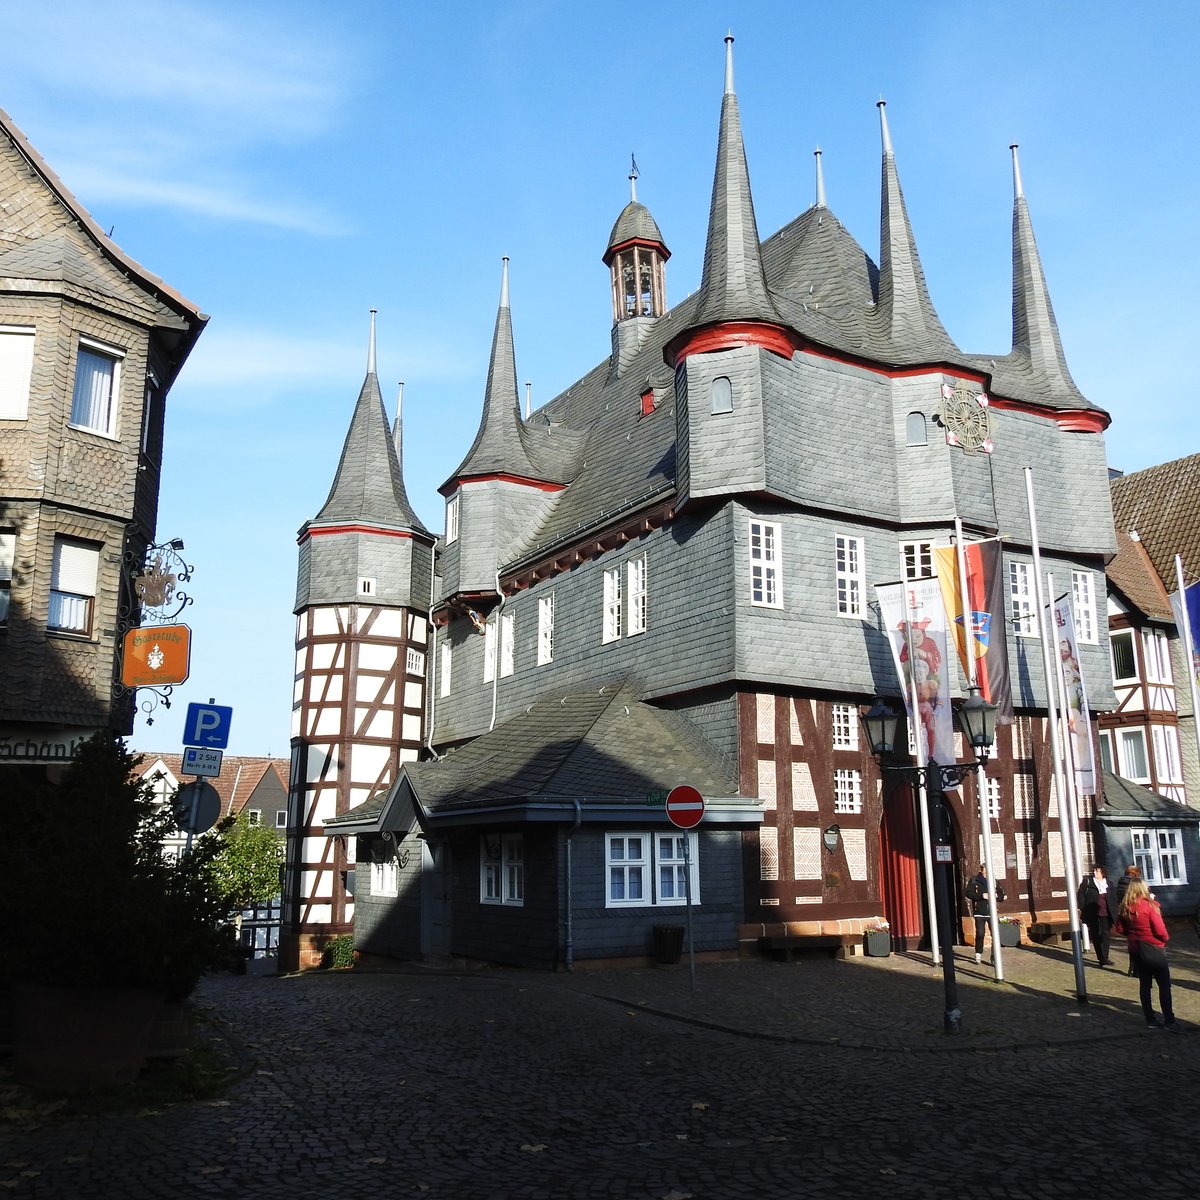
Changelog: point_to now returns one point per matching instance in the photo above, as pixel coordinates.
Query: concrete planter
(877, 943)
(1010, 934)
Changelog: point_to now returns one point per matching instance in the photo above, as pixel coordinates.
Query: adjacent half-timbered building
(700, 520)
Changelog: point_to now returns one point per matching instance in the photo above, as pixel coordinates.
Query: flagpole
(1051, 715)
(1189, 648)
(985, 820)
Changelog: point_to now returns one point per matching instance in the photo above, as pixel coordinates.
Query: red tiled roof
(237, 781)
(1132, 573)
(1163, 504)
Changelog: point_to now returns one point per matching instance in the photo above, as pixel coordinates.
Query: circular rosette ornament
(966, 416)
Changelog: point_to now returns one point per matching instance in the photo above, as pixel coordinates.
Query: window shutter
(16, 370)
(75, 567)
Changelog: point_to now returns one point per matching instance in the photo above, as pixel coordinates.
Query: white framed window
(1021, 598)
(385, 880)
(993, 797)
(507, 649)
(254, 816)
(1156, 651)
(447, 661)
(850, 574)
(845, 726)
(16, 371)
(1106, 758)
(97, 388)
(1131, 755)
(766, 564)
(635, 595)
(502, 868)
(452, 518)
(489, 651)
(281, 818)
(916, 560)
(73, 586)
(1158, 854)
(1168, 766)
(8, 554)
(612, 604)
(414, 661)
(646, 869)
(722, 395)
(1123, 652)
(847, 791)
(1083, 607)
(545, 650)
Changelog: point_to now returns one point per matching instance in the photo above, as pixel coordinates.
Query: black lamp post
(977, 720)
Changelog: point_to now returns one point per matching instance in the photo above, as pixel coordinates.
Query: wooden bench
(1047, 931)
(788, 947)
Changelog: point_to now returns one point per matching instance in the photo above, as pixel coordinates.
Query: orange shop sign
(156, 655)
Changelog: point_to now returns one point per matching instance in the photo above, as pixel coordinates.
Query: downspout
(498, 655)
(570, 954)
(434, 665)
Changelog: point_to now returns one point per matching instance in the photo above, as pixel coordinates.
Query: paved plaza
(808, 1079)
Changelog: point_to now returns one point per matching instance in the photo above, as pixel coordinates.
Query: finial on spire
(504, 284)
(371, 347)
(883, 125)
(400, 401)
(820, 179)
(633, 178)
(1018, 189)
(528, 389)
(729, 63)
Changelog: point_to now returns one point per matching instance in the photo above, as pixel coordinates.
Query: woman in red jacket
(1140, 920)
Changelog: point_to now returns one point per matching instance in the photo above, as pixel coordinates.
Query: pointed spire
(906, 320)
(1035, 331)
(820, 179)
(398, 426)
(369, 486)
(733, 286)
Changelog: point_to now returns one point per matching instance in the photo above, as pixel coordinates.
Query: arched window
(722, 395)
(915, 431)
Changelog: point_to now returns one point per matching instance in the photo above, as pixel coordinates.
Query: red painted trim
(538, 484)
(324, 530)
(729, 334)
(648, 243)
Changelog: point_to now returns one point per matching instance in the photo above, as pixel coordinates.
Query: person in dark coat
(1093, 909)
(980, 896)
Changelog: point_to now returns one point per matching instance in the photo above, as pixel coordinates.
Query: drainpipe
(496, 664)
(431, 672)
(570, 956)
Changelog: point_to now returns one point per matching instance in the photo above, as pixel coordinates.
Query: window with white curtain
(1083, 607)
(850, 575)
(1156, 651)
(8, 552)
(452, 518)
(447, 663)
(1167, 763)
(16, 371)
(545, 650)
(766, 564)
(97, 388)
(1021, 598)
(489, 652)
(1131, 753)
(635, 592)
(612, 604)
(73, 586)
(507, 649)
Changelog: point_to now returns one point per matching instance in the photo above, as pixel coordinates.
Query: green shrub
(340, 951)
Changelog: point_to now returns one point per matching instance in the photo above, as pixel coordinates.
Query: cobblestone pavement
(809, 1079)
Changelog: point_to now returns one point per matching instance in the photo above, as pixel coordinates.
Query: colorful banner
(1189, 615)
(989, 616)
(1077, 716)
(915, 621)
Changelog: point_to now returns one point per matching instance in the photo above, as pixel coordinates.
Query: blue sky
(290, 165)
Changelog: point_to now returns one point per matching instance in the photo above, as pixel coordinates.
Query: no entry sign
(685, 807)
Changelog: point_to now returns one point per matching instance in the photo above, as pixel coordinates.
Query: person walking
(979, 894)
(1140, 920)
(1093, 909)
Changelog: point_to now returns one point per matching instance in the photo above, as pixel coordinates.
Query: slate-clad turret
(906, 325)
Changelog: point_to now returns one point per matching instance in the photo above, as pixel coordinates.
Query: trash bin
(668, 943)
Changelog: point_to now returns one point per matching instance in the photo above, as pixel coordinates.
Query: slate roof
(635, 224)
(1132, 574)
(1126, 800)
(1163, 504)
(603, 746)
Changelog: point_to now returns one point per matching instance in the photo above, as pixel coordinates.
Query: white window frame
(1168, 766)
(545, 650)
(452, 506)
(636, 595)
(1156, 653)
(766, 563)
(254, 816)
(1131, 741)
(502, 869)
(1158, 854)
(849, 564)
(1121, 637)
(1021, 598)
(612, 605)
(73, 579)
(414, 661)
(489, 650)
(8, 557)
(1083, 607)
(654, 872)
(85, 410)
(844, 721)
(281, 818)
(721, 396)
(385, 877)
(16, 371)
(847, 790)
(507, 647)
(1106, 751)
(992, 786)
(916, 560)
(447, 662)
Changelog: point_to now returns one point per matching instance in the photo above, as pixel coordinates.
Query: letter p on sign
(207, 725)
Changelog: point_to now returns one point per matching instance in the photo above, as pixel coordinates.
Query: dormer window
(452, 518)
(722, 395)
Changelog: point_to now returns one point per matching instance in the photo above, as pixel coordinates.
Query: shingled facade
(696, 524)
(90, 344)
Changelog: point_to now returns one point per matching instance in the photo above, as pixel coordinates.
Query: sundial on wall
(966, 416)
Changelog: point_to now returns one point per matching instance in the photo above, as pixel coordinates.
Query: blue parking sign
(207, 725)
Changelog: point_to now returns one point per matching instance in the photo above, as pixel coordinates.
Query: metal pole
(1189, 647)
(952, 1014)
(687, 891)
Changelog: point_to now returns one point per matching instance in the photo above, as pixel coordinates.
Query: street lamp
(977, 720)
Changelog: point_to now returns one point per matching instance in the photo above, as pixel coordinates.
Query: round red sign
(685, 806)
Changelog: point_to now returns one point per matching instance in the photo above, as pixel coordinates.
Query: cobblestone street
(809, 1079)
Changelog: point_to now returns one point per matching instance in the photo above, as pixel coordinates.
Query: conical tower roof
(905, 320)
(369, 486)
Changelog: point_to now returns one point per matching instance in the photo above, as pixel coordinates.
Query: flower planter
(877, 943)
(1010, 933)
